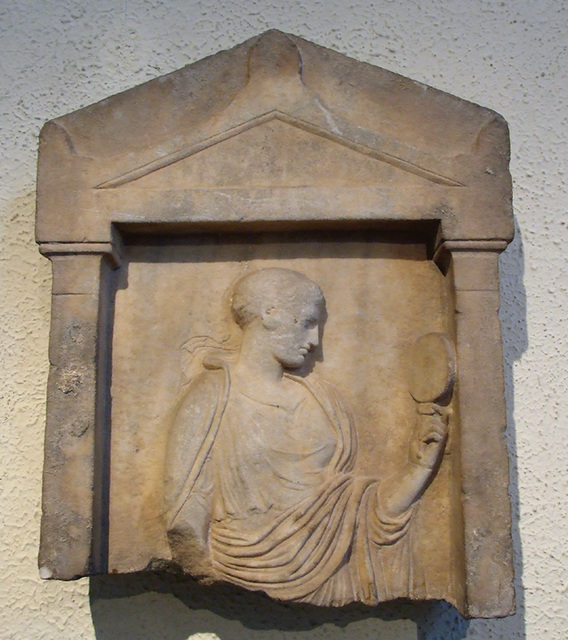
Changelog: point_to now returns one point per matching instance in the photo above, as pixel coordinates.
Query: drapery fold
(324, 549)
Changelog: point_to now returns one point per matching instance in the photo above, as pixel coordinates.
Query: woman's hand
(429, 438)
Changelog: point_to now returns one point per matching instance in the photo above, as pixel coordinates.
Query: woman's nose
(314, 336)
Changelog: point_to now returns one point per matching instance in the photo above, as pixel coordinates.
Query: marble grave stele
(275, 351)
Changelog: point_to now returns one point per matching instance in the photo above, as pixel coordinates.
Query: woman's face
(295, 332)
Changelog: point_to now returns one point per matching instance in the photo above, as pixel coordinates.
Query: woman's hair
(271, 288)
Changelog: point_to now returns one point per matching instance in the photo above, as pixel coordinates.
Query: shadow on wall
(149, 606)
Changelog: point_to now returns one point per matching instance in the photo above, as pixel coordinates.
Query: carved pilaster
(473, 267)
(74, 523)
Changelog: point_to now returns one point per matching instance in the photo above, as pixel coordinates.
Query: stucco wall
(59, 55)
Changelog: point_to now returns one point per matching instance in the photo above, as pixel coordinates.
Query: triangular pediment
(251, 127)
(265, 152)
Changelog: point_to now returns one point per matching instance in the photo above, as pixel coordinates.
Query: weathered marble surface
(405, 192)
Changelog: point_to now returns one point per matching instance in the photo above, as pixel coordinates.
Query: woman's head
(283, 309)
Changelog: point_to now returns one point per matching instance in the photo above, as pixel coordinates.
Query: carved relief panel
(275, 344)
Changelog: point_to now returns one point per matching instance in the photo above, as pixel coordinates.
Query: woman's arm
(399, 492)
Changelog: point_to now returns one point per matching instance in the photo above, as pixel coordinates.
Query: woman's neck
(256, 362)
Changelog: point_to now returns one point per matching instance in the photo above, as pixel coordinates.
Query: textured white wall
(59, 55)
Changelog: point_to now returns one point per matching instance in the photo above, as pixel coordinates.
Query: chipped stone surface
(509, 57)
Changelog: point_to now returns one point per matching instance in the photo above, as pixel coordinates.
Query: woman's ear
(270, 318)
